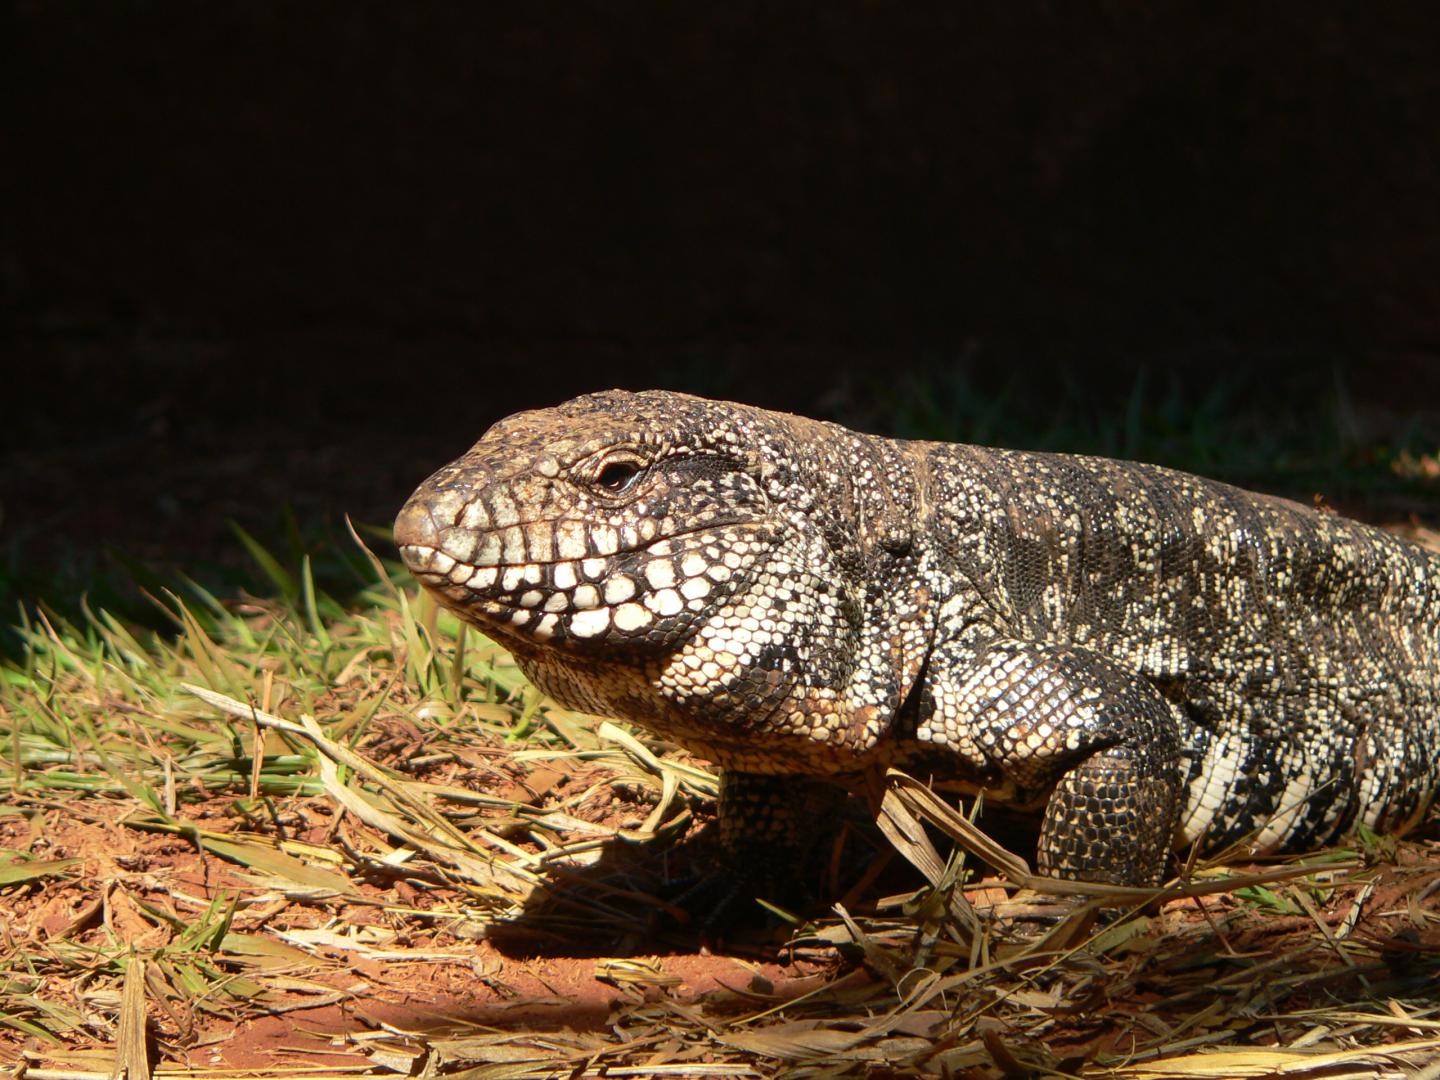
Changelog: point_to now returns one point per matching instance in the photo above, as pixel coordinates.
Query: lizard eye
(618, 476)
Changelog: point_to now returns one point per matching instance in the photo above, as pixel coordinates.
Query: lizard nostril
(414, 527)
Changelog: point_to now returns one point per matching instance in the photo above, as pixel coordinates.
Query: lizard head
(611, 521)
(668, 559)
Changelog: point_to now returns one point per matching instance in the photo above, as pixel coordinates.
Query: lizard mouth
(639, 594)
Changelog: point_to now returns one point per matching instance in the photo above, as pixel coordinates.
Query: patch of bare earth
(391, 976)
(392, 958)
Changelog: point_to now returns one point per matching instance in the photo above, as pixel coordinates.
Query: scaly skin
(1146, 656)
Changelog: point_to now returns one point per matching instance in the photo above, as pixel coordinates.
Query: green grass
(102, 724)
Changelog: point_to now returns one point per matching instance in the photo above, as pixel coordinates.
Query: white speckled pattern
(1151, 657)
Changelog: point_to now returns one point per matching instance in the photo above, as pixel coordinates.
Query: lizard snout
(414, 527)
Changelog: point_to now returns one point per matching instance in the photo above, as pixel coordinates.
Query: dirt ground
(390, 973)
(401, 973)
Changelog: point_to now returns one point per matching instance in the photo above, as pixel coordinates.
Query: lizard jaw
(654, 594)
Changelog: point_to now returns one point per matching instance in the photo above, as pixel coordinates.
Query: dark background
(260, 255)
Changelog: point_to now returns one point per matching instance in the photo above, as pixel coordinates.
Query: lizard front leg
(1052, 714)
(775, 832)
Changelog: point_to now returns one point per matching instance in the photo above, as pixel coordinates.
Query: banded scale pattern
(1143, 657)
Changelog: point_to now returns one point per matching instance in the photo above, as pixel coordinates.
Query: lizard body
(1149, 657)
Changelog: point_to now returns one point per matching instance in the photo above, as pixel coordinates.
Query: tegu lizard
(1144, 657)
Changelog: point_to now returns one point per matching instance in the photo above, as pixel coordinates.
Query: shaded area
(620, 175)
